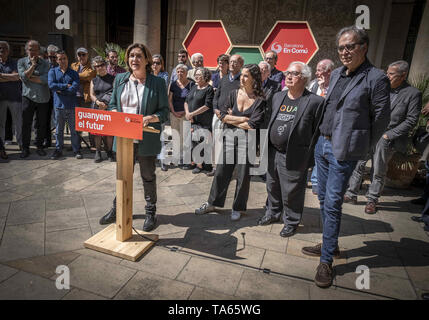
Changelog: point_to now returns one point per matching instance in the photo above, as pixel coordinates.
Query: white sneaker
(205, 208)
(235, 215)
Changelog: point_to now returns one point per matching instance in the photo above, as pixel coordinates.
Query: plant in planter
(402, 167)
(102, 52)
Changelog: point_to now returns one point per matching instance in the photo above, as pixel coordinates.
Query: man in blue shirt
(64, 82)
(10, 93)
(33, 72)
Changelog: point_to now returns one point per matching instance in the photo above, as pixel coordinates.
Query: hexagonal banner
(208, 38)
(293, 41)
(250, 54)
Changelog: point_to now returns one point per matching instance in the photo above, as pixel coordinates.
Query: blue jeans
(333, 177)
(61, 116)
(313, 178)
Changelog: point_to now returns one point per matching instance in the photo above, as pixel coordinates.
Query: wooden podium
(120, 240)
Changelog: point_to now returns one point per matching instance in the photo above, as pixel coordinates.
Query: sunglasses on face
(348, 47)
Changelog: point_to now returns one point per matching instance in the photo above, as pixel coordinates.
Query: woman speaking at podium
(138, 91)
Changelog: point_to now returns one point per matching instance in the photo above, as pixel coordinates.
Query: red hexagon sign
(293, 41)
(208, 38)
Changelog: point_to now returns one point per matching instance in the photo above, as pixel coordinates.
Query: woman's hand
(230, 111)
(101, 105)
(189, 116)
(146, 120)
(179, 114)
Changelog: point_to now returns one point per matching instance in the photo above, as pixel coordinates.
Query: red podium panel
(208, 38)
(109, 123)
(293, 41)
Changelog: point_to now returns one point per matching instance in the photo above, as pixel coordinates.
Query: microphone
(124, 81)
(136, 83)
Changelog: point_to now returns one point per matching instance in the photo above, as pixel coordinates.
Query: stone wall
(249, 21)
(28, 19)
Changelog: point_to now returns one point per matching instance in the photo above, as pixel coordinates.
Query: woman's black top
(179, 95)
(198, 98)
(255, 112)
(103, 87)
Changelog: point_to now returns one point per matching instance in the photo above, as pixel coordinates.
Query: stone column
(147, 24)
(420, 62)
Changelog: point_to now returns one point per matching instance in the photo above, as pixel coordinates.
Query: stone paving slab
(6, 272)
(26, 286)
(22, 241)
(44, 266)
(66, 219)
(148, 286)
(99, 277)
(78, 294)
(66, 240)
(205, 294)
(212, 275)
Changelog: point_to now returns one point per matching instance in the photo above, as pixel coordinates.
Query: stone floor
(49, 208)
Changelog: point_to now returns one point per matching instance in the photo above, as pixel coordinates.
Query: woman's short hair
(207, 75)
(181, 66)
(97, 61)
(146, 54)
(255, 72)
(157, 55)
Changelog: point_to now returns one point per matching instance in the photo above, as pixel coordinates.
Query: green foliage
(102, 52)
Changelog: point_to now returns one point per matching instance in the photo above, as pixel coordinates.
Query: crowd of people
(333, 124)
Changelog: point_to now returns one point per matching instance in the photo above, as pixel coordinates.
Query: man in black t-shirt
(292, 134)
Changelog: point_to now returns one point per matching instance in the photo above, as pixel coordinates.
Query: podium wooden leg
(124, 188)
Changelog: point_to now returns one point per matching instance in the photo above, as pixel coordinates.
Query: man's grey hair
(195, 56)
(181, 66)
(328, 64)
(97, 60)
(305, 70)
(265, 63)
(5, 43)
(361, 34)
(52, 48)
(402, 66)
(31, 41)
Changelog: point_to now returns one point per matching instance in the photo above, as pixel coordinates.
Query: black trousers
(285, 188)
(30, 107)
(223, 178)
(147, 172)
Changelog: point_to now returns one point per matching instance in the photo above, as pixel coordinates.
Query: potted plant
(102, 52)
(402, 167)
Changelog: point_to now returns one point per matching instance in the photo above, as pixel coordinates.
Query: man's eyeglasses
(293, 73)
(349, 47)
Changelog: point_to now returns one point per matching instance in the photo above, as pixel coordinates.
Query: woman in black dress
(199, 107)
(245, 112)
(100, 92)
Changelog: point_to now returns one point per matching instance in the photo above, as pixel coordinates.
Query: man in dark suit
(292, 134)
(275, 75)
(356, 113)
(270, 87)
(406, 103)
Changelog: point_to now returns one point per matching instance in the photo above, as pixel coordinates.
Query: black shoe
(47, 143)
(149, 222)
(41, 152)
(110, 217)
(3, 155)
(266, 220)
(56, 154)
(419, 201)
(164, 167)
(288, 231)
(188, 167)
(98, 157)
(25, 153)
(78, 155)
(425, 296)
(324, 275)
(316, 251)
(110, 156)
(211, 173)
(417, 219)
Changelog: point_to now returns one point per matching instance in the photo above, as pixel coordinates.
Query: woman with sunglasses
(100, 92)
(138, 91)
